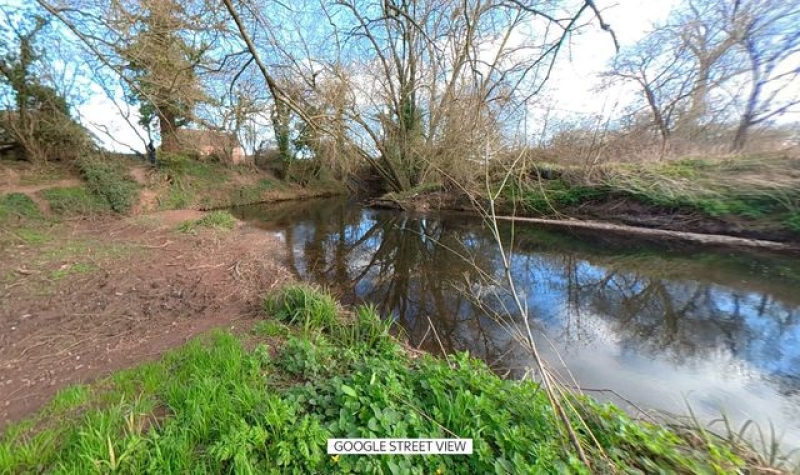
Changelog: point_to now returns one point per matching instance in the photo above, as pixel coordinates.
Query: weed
(73, 201)
(251, 194)
(300, 357)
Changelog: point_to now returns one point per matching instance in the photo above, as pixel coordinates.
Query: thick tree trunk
(169, 137)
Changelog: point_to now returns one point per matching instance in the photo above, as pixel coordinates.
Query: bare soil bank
(108, 293)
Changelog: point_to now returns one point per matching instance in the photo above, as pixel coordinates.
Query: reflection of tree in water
(405, 264)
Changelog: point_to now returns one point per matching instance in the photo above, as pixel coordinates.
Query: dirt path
(105, 295)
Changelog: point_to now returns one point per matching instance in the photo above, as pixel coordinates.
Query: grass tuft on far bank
(246, 404)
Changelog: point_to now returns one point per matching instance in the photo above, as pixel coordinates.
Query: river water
(631, 321)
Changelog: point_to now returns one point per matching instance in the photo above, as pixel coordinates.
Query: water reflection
(662, 327)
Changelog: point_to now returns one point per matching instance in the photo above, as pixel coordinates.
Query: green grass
(72, 269)
(19, 206)
(74, 201)
(219, 220)
(218, 405)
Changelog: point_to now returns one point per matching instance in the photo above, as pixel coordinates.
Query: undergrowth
(219, 405)
(109, 179)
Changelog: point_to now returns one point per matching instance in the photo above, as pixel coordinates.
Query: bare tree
(659, 67)
(770, 41)
(426, 80)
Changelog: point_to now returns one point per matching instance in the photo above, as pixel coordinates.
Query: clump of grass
(108, 179)
(18, 205)
(303, 305)
(73, 201)
(220, 220)
(270, 328)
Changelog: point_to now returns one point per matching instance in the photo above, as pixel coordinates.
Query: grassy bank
(738, 195)
(113, 183)
(184, 183)
(267, 401)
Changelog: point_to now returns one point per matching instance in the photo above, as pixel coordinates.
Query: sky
(570, 91)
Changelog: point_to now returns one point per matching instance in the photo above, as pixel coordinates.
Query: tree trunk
(168, 129)
(740, 139)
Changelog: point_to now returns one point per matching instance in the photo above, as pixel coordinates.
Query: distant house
(212, 143)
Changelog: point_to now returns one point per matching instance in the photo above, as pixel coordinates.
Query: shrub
(110, 180)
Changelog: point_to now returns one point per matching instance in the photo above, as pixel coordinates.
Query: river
(639, 323)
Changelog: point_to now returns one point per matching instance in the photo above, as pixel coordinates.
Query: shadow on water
(661, 326)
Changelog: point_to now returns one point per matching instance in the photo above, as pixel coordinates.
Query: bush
(110, 180)
(73, 201)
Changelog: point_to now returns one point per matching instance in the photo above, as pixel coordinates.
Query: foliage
(214, 406)
(39, 122)
(74, 201)
(161, 61)
(18, 205)
(219, 220)
(110, 180)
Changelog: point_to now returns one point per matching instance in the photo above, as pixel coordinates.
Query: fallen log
(663, 234)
